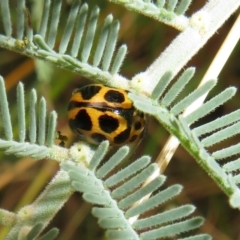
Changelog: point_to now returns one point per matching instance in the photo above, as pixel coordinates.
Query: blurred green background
(21, 180)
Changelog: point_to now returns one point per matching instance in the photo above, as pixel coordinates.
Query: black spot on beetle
(123, 136)
(108, 123)
(89, 91)
(83, 120)
(137, 125)
(133, 138)
(127, 114)
(98, 137)
(140, 114)
(114, 96)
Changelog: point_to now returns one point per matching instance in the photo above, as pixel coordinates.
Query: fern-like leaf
(36, 216)
(39, 141)
(120, 197)
(169, 113)
(169, 12)
(75, 51)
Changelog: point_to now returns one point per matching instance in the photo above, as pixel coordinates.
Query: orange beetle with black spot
(97, 113)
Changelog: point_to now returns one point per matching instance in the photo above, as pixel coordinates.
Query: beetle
(97, 113)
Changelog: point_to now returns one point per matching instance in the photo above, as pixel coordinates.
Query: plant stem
(203, 24)
(44, 208)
